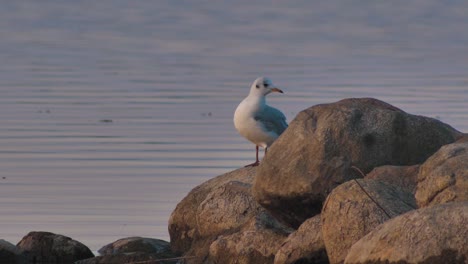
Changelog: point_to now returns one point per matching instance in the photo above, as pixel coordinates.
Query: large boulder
(305, 245)
(315, 153)
(355, 208)
(219, 206)
(436, 235)
(444, 176)
(402, 176)
(256, 242)
(46, 247)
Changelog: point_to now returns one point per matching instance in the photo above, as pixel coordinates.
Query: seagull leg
(256, 159)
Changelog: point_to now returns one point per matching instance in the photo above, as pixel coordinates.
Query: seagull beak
(276, 90)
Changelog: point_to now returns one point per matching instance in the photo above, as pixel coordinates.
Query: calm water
(111, 111)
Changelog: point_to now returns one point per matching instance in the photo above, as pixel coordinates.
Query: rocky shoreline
(356, 181)
(50, 248)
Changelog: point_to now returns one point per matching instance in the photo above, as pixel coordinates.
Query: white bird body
(250, 127)
(255, 120)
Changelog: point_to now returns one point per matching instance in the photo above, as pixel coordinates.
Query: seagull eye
(257, 86)
(266, 85)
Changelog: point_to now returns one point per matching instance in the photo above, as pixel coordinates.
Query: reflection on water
(111, 111)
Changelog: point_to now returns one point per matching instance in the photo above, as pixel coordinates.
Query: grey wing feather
(272, 119)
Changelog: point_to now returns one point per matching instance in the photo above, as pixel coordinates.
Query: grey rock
(46, 247)
(138, 244)
(9, 253)
(126, 258)
(134, 249)
(435, 235)
(305, 245)
(315, 153)
(444, 176)
(355, 208)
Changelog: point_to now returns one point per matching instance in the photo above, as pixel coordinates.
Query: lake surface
(112, 111)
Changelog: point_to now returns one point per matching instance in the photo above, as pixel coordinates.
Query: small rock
(352, 210)
(138, 244)
(435, 235)
(304, 245)
(46, 247)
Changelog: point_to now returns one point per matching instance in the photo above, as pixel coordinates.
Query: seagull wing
(272, 119)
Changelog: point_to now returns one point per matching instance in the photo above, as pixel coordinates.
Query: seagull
(256, 121)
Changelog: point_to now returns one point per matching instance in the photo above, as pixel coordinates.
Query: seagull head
(263, 86)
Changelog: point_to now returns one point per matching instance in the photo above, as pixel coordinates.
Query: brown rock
(432, 235)
(402, 176)
(183, 225)
(304, 245)
(315, 153)
(352, 210)
(45, 247)
(444, 176)
(257, 242)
